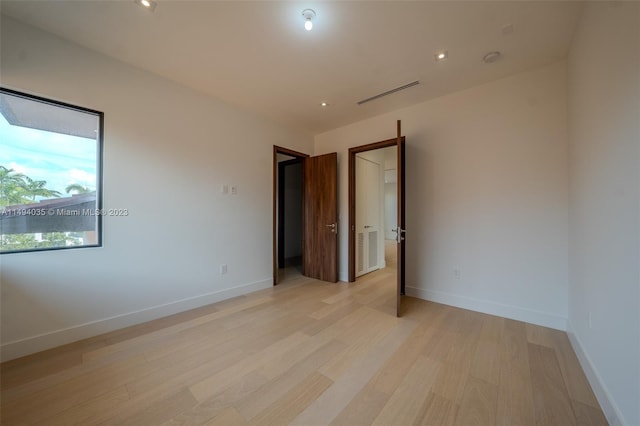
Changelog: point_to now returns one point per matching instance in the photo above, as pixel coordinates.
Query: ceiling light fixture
(147, 4)
(441, 56)
(491, 57)
(308, 15)
(324, 104)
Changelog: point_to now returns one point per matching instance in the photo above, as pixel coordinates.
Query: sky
(56, 158)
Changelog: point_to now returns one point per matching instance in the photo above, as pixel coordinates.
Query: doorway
(376, 212)
(288, 207)
(357, 226)
(317, 241)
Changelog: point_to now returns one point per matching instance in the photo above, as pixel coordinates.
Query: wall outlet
(456, 273)
(233, 189)
(223, 269)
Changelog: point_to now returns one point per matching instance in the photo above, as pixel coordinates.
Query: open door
(320, 251)
(399, 144)
(400, 231)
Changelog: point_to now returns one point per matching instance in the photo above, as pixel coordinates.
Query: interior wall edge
(544, 319)
(607, 403)
(49, 340)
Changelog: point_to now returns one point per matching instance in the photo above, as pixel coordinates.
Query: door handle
(334, 227)
(368, 226)
(399, 234)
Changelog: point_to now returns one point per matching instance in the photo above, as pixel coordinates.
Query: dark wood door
(401, 220)
(320, 253)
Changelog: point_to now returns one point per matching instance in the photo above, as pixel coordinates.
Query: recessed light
(441, 56)
(324, 104)
(147, 4)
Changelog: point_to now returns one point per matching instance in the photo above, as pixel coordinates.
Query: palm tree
(79, 189)
(16, 188)
(11, 187)
(36, 188)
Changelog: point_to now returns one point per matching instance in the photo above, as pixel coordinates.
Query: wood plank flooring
(308, 353)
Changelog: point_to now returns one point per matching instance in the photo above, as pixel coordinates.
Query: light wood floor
(308, 353)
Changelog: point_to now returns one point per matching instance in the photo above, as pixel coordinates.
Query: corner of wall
(544, 319)
(606, 401)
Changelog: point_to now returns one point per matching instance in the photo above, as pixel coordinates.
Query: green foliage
(18, 189)
(77, 188)
(11, 187)
(28, 241)
(36, 188)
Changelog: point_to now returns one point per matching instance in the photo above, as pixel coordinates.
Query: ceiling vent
(388, 92)
(491, 57)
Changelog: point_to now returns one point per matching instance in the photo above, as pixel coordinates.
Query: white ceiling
(257, 55)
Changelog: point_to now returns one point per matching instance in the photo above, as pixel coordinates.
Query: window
(50, 174)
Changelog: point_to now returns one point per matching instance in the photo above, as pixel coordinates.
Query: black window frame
(99, 166)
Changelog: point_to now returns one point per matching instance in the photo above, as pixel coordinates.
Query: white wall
(377, 156)
(166, 151)
(486, 193)
(604, 213)
(390, 192)
(390, 210)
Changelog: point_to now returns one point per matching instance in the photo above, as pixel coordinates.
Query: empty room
(345, 213)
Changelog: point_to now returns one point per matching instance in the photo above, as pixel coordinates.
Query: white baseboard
(41, 342)
(544, 319)
(609, 408)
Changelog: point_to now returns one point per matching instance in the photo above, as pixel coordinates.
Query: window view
(50, 157)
